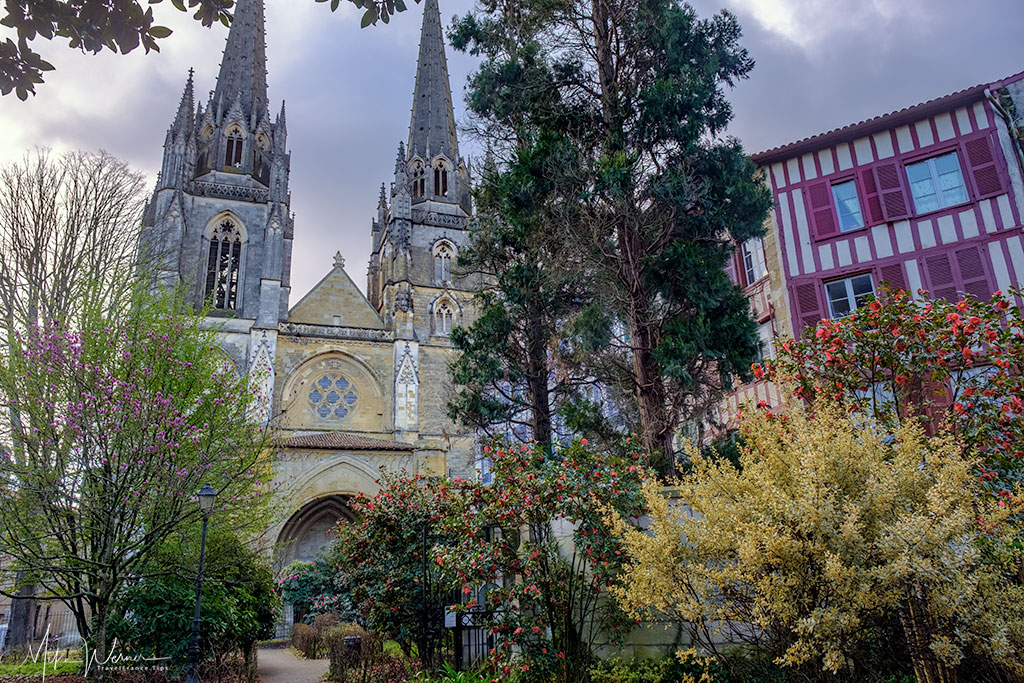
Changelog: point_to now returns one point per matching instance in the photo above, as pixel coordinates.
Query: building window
(443, 255)
(765, 339)
(847, 205)
(936, 183)
(440, 181)
(753, 260)
(444, 318)
(418, 181)
(848, 294)
(260, 167)
(222, 266)
(483, 471)
(233, 155)
(333, 396)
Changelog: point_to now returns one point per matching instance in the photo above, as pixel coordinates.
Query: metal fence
(51, 625)
(472, 640)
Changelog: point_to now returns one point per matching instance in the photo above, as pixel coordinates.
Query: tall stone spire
(243, 71)
(432, 129)
(183, 120)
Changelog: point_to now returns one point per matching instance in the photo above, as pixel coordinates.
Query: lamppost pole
(206, 499)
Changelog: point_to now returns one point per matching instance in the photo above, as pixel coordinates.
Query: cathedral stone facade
(356, 383)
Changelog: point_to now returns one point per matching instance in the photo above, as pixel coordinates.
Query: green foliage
(450, 675)
(314, 588)
(607, 119)
(385, 558)
(510, 379)
(24, 670)
(689, 669)
(239, 603)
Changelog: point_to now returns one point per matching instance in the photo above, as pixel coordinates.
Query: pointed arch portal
(307, 530)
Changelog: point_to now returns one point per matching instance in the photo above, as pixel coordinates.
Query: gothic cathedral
(355, 383)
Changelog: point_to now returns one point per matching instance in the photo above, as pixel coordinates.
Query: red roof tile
(340, 441)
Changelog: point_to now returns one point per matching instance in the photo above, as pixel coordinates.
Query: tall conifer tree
(646, 196)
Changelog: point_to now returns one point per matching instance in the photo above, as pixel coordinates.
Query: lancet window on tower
(223, 266)
(233, 153)
(261, 169)
(444, 317)
(203, 157)
(444, 253)
(418, 180)
(440, 180)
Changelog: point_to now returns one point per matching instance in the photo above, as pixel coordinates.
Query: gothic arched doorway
(308, 530)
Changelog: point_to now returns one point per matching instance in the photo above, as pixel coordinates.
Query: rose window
(333, 396)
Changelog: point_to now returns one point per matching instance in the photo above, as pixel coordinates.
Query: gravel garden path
(279, 665)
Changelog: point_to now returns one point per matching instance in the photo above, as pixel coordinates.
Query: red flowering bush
(386, 560)
(955, 366)
(529, 554)
(534, 549)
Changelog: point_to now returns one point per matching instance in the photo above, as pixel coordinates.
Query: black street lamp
(206, 498)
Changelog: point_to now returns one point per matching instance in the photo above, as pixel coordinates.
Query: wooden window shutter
(808, 304)
(871, 199)
(980, 159)
(893, 274)
(890, 190)
(941, 284)
(823, 215)
(973, 279)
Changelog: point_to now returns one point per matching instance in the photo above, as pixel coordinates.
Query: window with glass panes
(753, 260)
(847, 206)
(765, 338)
(936, 183)
(848, 294)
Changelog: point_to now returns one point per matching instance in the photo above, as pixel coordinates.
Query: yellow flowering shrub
(826, 529)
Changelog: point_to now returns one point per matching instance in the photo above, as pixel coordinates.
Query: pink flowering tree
(954, 366)
(533, 547)
(112, 428)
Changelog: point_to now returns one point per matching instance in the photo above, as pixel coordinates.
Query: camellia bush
(532, 554)
(957, 365)
(528, 554)
(386, 559)
(831, 530)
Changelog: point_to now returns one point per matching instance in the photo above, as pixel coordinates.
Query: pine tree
(646, 198)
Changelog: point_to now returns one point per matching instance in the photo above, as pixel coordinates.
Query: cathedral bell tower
(219, 221)
(423, 222)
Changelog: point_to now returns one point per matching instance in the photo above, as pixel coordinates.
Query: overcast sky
(821, 64)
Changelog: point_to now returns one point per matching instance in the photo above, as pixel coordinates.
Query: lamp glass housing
(207, 496)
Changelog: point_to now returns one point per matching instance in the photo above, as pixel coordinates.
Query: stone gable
(336, 301)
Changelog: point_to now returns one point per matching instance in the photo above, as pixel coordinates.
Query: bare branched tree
(69, 238)
(69, 234)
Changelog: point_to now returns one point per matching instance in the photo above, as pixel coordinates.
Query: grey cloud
(349, 92)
